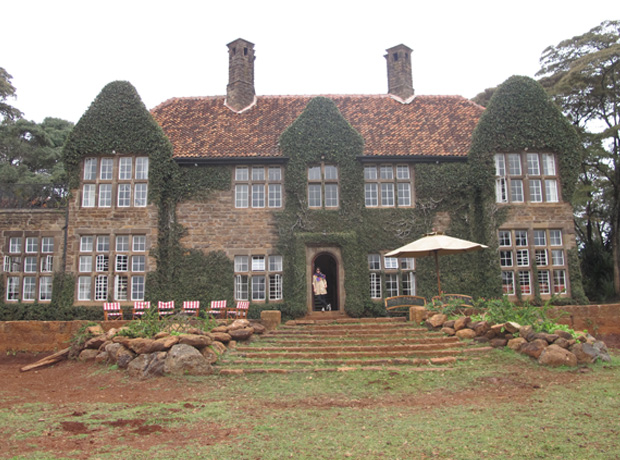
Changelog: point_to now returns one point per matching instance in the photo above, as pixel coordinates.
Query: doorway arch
(329, 266)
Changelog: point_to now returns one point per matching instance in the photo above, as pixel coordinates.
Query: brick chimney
(399, 72)
(240, 92)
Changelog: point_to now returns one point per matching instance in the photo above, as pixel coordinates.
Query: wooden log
(51, 359)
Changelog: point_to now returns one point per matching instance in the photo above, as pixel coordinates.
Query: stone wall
(602, 321)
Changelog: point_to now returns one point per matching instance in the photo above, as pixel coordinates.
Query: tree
(583, 76)
(7, 90)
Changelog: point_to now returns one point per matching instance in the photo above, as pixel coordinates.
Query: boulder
(112, 350)
(526, 331)
(556, 356)
(585, 353)
(534, 348)
(465, 334)
(239, 324)
(498, 342)
(102, 357)
(516, 343)
(437, 320)
(96, 342)
(462, 323)
(417, 314)
(449, 323)
(549, 338)
(480, 327)
(196, 341)
(124, 357)
(241, 334)
(209, 354)
(563, 334)
(88, 354)
(259, 328)
(448, 330)
(217, 329)
(185, 359)
(95, 330)
(562, 342)
(223, 337)
(142, 346)
(512, 327)
(218, 347)
(147, 366)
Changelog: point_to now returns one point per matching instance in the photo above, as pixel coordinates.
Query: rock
(232, 344)
(161, 335)
(142, 346)
(196, 331)
(112, 351)
(480, 327)
(512, 327)
(95, 330)
(96, 342)
(498, 342)
(498, 328)
(549, 338)
(437, 320)
(239, 324)
(481, 339)
(147, 366)
(241, 334)
(534, 348)
(462, 323)
(210, 355)
(585, 353)
(88, 354)
(184, 359)
(417, 314)
(102, 357)
(563, 334)
(111, 333)
(562, 342)
(450, 324)
(124, 357)
(526, 331)
(166, 343)
(218, 347)
(221, 337)
(448, 330)
(217, 329)
(196, 341)
(490, 334)
(556, 356)
(515, 344)
(465, 334)
(104, 344)
(259, 328)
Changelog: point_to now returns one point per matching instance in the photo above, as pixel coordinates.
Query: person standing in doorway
(319, 287)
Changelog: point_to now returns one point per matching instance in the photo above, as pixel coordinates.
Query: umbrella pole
(437, 270)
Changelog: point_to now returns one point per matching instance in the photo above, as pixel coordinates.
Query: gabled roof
(428, 126)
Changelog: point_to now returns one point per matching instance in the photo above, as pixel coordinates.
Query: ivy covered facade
(242, 197)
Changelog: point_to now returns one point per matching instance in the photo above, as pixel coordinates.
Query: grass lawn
(500, 405)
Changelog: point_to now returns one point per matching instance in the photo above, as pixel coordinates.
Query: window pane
(258, 196)
(386, 172)
(404, 194)
(541, 257)
(258, 288)
(524, 283)
(387, 194)
(45, 288)
(140, 195)
(548, 164)
(122, 243)
(86, 244)
(105, 195)
(504, 238)
(139, 243)
(500, 165)
(557, 257)
(84, 286)
(258, 263)
(241, 287)
(90, 169)
(241, 196)
(47, 244)
(275, 173)
(15, 245)
(30, 288)
(555, 237)
(241, 264)
(314, 173)
(501, 192)
(137, 263)
(47, 263)
(124, 168)
(275, 195)
(508, 283)
(535, 191)
(533, 166)
(101, 263)
(32, 245)
(314, 196)
(375, 285)
(516, 190)
(12, 288)
(370, 172)
(258, 173)
(122, 262)
(88, 196)
(520, 238)
(390, 263)
(124, 195)
(391, 284)
(543, 282)
(30, 264)
(331, 172)
(523, 258)
(101, 287)
(142, 168)
(242, 173)
(371, 192)
(275, 263)
(120, 287)
(103, 243)
(86, 264)
(275, 287)
(402, 172)
(374, 262)
(505, 258)
(407, 263)
(559, 281)
(107, 165)
(551, 190)
(137, 288)
(409, 283)
(540, 238)
(514, 164)
(331, 195)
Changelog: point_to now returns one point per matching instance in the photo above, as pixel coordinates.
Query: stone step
(331, 369)
(351, 348)
(331, 341)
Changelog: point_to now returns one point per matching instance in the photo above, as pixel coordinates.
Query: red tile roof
(203, 127)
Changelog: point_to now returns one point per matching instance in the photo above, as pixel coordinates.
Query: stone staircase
(347, 344)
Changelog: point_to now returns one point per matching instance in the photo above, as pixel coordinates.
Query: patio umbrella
(436, 244)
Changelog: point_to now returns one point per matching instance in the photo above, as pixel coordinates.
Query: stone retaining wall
(602, 321)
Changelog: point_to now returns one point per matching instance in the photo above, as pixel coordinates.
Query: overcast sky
(61, 53)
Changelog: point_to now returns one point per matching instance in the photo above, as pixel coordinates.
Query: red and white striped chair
(218, 308)
(139, 309)
(191, 307)
(165, 308)
(112, 310)
(240, 311)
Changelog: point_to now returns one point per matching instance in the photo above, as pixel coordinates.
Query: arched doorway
(329, 266)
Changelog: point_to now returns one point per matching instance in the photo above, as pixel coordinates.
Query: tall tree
(583, 76)
(7, 90)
